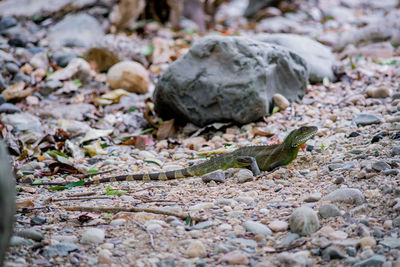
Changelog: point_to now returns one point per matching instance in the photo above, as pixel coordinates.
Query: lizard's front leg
(250, 162)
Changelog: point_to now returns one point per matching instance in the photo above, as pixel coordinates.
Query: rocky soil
(65, 119)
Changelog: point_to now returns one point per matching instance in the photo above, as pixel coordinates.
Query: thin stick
(80, 198)
(182, 215)
(82, 194)
(146, 188)
(150, 234)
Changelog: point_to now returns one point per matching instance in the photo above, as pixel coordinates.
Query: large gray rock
(69, 31)
(229, 79)
(319, 58)
(7, 201)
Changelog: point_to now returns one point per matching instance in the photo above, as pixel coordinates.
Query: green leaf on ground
(113, 192)
(353, 66)
(55, 153)
(142, 132)
(154, 160)
(131, 109)
(63, 187)
(147, 50)
(325, 81)
(93, 170)
(77, 82)
(188, 220)
(275, 109)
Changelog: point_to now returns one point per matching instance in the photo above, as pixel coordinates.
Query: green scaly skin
(256, 158)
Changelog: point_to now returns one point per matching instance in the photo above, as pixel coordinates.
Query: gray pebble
(346, 195)
(93, 235)
(216, 176)
(38, 220)
(396, 221)
(335, 166)
(17, 241)
(349, 165)
(313, 197)
(331, 253)
(329, 210)
(339, 180)
(50, 86)
(396, 96)
(243, 242)
(391, 172)
(20, 77)
(289, 239)
(378, 233)
(244, 176)
(11, 68)
(380, 249)
(61, 249)
(304, 221)
(376, 260)
(223, 248)
(167, 263)
(2, 85)
(7, 22)
(351, 251)
(203, 225)
(366, 119)
(257, 228)
(62, 58)
(31, 234)
(395, 151)
(391, 242)
(9, 108)
(293, 259)
(380, 166)
(397, 191)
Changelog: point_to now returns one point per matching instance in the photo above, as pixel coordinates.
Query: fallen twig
(295, 244)
(150, 234)
(146, 188)
(182, 215)
(82, 194)
(79, 198)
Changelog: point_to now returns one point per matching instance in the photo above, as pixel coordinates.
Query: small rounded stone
(196, 249)
(304, 221)
(367, 241)
(379, 92)
(129, 75)
(278, 226)
(281, 101)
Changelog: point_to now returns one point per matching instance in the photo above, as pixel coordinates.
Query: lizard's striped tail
(221, 162)
(156, 176)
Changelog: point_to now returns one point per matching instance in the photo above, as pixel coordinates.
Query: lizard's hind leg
(249, 162)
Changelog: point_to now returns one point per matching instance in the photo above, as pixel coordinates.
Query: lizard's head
(298, 137)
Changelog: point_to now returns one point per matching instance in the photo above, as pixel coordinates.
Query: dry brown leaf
(166, 130)
(260, 132)
(24, 203)
(17, 91)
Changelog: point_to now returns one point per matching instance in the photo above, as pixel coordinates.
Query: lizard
(256, 158)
